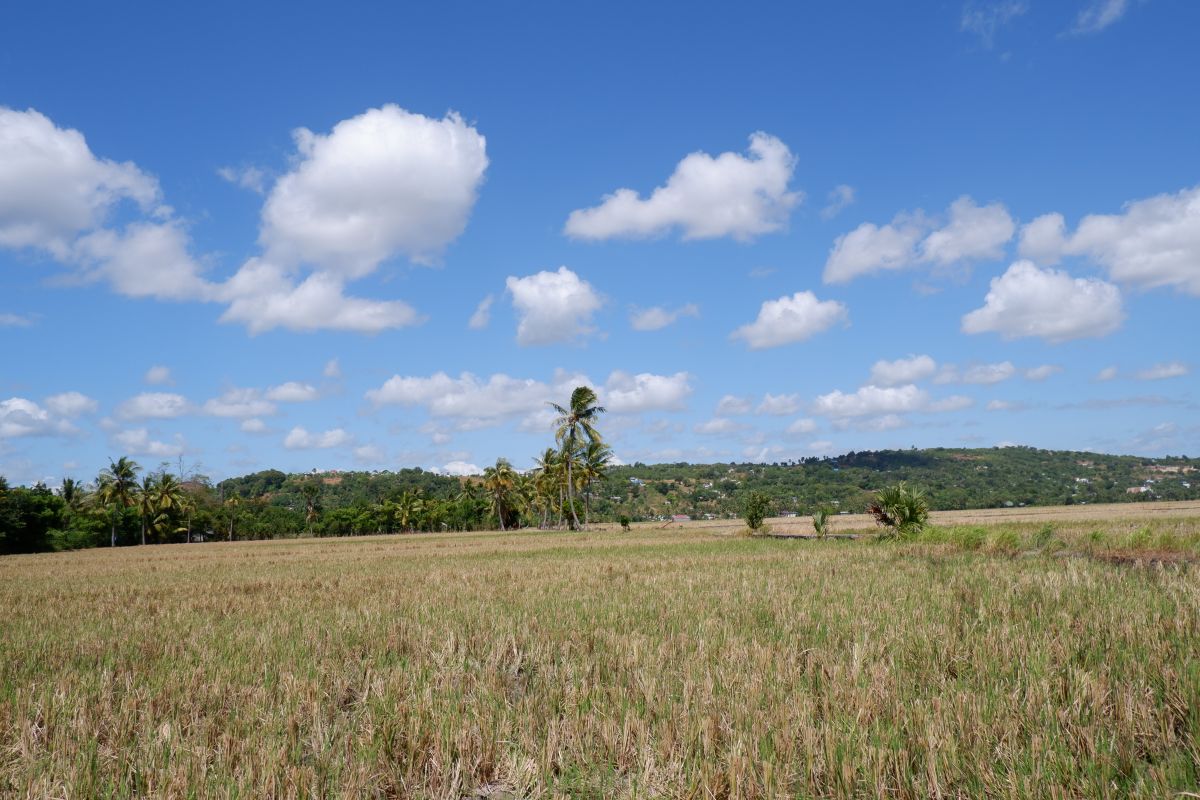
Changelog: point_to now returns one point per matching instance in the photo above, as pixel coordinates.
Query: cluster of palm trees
(160, 499)
(548, 492)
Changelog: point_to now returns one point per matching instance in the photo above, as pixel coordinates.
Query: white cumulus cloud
(383, 183)
(967, 232)
(71, 404)
(300, 438)
(239, 404)
(1042, 372)
(902, 370)
(553, 306)
(1049, 304)
(840, 197)
(791, 319)
(779, 405)
(625, 393)
(292, 392)
(458, 469)
(731, 405)
(138, 442)
(706, 197)
(876, 401)
(22, 417)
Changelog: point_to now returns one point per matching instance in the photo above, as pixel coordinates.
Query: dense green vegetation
(273, 504)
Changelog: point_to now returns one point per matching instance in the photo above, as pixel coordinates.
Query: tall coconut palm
(169, 498)
(312, 507)
(547, 483)
(147, 503)
(72, 493)
(232, 502)
(500, 483)
(575, 423)
(118, 486)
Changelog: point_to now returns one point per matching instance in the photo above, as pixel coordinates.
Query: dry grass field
(1012, 660)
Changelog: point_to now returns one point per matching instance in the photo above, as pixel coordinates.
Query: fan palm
(574, 423)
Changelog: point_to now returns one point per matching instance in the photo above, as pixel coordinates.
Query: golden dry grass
(652, 664)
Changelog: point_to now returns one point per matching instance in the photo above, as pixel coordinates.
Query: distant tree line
(571, 485)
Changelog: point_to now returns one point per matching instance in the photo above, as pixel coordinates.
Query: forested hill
(952, 479)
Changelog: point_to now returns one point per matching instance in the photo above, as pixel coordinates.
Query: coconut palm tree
(169, 499)
(147, 503)
(117, 489)
(593, 467)
(547, 476)
(575, 423)
(72, 493)
(232, 502)
(500, 483)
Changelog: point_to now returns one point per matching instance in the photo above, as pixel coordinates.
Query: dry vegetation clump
(644, 664)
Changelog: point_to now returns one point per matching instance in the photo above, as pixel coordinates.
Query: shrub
(754, 509)
(1140, 539)
(624, 520)
(820, 520)
(901, 510)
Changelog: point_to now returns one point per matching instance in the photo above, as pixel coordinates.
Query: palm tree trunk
(231, 527)
(143, 528)
(114, 531)
(571, 496)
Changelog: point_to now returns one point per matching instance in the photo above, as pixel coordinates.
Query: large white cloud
(1152, 243)
(1049, 304)
(553, 306)
(791, 319)
(52, 187)
(903, 370)
(967, 232)
(58, 197)
(706, 197)
(487, 401)
(262, 297)
(873, 401)
(22, 417)
(624, 393)
(382, 183)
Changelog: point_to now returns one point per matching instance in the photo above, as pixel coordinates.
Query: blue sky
(361, 236)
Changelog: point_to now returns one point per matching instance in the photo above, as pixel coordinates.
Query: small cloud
(1042, 372)
(292, 392)
(251, 178)
(71, 404)
(730, 405)
(762, 272)
(332, 369)
(483, 314)
(369, 454)
(8, 320)
(301, 439)
(802, 426)
(1106, 374)
(839, 198)
(791, 319)
(1158, 372)
(158, 375)
(459, 469)
(253, 425)
(779, 405)
(985, 19)
(657, 317)
(1098, 15)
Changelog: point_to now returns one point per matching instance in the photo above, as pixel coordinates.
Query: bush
(624, 520)
(1140, 539)
(901, 510)
(820, 520)
(754, 509)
